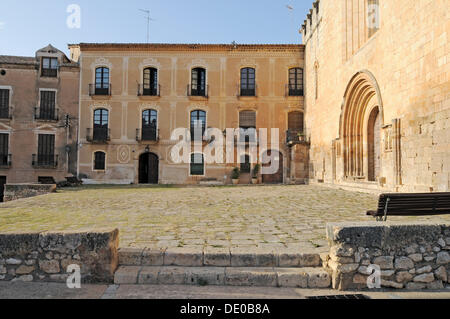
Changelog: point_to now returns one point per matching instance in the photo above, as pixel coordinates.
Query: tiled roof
(186, 46)
(9, 59)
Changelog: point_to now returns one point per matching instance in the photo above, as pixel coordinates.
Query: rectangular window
(4, 103)
(49, 67)
(197, 165)
(47, 107)
(99, 161)
(46, 150)
(4, 149)
(373, 17)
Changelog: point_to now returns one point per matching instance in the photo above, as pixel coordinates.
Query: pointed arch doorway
(148, 168)
(362, 120)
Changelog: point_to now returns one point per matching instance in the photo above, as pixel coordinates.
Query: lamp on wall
(147, 149)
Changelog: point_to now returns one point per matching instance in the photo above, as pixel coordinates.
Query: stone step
(223, 276)
(218, 257)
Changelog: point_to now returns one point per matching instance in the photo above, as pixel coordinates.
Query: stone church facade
(377, 102)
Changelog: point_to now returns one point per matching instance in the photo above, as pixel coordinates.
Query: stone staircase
(221, 267)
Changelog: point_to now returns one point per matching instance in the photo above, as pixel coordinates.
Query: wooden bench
(425, 204)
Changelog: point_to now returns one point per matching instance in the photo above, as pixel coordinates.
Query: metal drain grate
(339, 297)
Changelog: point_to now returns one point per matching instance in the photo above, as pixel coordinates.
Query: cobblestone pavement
(267, 217)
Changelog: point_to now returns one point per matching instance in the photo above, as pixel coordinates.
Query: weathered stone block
(24, 270)
(126, 275)
(183, 257)
(153, 257)
(292, 277)
(424, 278)
(385, 262)
(149, 275)
(262, 277)
(403, 263)
(172, 276)
(205, 276)
(403, 277)
(130, 256)
(217, 257)
(443, 258)
(424, 269)
(49, 266)
(286, 259)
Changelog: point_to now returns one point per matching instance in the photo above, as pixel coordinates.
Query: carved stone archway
(362, 101)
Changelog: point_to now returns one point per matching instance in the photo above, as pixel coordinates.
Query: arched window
(102, 81)
(101, 129)
(198, 124)
(248, 82)
(149, 125)
(197, 164)
(150, 82)
(99, 161)
(296, 82)
(198, 82)
(245, 164)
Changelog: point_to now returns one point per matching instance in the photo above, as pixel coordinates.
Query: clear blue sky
(29, 25)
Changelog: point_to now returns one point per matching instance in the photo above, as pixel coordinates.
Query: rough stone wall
(410, 256)
(45, 256)
(18, 191)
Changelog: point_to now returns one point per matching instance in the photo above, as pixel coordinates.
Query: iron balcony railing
(250, 91)
(49, 73)
(46, 114)
(247, 137)
(45, 161)
(98, 135)
(147, 134)
(97, 90)
(199, 90)
(154, 90)
(295, 137)
(294, 90)
(6, 113)
(5, 160)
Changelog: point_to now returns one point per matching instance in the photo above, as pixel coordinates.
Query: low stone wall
(46, 256)
(18, 191)
(410, 256)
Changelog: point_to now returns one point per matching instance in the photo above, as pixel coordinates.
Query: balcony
(98, 135)
(293, 90)
(147, 135)
(46, 161)
(198, 91)
(94, 90)
(154, 91)
(247, 138)
(6, 113)
(46, 114)
(5, 160)
(247, 92)
(295, 137)
(49, 73)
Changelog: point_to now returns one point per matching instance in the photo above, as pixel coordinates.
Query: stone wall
(410, 256)
(46, 256)
(18, 191)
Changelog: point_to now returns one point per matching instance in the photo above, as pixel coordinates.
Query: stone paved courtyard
(267, 217)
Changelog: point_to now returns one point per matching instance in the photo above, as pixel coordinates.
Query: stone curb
(217, 257)
(224, 276)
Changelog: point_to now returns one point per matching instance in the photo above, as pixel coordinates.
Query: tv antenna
(148, 18)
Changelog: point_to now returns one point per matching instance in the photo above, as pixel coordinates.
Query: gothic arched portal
(360, 130)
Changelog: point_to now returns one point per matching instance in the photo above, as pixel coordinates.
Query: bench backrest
(414, 204)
